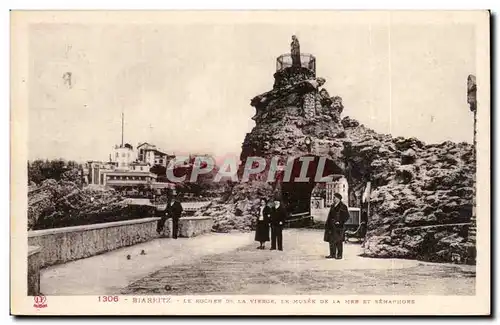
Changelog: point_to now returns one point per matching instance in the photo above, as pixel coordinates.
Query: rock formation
(421, 203)
(55, 204)
(422, 194)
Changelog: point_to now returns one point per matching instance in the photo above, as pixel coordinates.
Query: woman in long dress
(263, 220)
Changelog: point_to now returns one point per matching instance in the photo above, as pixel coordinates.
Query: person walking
(278, 217)
(334, 227)
(262, 225)
(174, 211)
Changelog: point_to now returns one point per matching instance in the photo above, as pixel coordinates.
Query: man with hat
(174, 211)
(334, 227)
(278, 218)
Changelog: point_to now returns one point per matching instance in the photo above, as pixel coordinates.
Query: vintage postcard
(250, 163)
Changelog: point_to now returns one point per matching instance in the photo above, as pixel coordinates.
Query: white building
(123, 156)
(108, 174)
(149, 153)
(339, 186)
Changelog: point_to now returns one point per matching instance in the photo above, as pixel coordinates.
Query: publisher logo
(40, 301)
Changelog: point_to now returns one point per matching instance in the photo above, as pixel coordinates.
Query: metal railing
(305, 60)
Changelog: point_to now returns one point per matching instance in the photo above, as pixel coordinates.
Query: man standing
(278, 217)
(334, 227)
(174, 211)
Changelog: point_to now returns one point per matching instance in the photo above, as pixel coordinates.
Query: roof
(146, 143)
(151, 147)
(126, 145)
(156, 150)
(130, 173)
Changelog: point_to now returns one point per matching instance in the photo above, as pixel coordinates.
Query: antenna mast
(122, 128)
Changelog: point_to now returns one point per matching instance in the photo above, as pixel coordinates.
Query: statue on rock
(295, 51)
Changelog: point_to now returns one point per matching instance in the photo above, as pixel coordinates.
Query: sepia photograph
(250, 162)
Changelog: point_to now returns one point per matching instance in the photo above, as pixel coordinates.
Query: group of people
(272, 216)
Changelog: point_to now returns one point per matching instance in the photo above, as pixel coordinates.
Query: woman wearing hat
(263, 221)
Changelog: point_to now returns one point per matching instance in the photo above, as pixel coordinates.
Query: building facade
(128, 168)
(123, 156)
(149, 153)
(109, 174)
(340, 186)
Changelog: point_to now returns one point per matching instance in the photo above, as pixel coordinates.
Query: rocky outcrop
(286, 115)
(238, 213)
(56, 204)
(422, 199)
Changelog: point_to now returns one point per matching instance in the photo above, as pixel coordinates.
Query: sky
(187, 87)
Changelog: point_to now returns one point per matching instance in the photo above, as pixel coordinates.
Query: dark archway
(296, 193)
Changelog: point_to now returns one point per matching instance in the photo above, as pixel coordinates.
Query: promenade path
(110, 272)
(231, 264)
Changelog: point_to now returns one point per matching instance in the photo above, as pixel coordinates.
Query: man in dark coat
(161, 213)
(334, 227)
(278, 217)
(174, 211)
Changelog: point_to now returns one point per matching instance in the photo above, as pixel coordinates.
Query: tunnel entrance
(296, 192)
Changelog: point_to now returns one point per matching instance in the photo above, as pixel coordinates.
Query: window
(117, 155)
(123, 155)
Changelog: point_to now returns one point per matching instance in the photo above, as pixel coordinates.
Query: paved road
(320, 214)
(302, 269)
(231, 264)
(111, 272)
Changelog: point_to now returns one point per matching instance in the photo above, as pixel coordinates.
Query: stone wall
(61, 245)
(34, 270)
(189, 226)
(292, 75)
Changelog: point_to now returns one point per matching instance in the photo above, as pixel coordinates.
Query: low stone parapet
(61, 245)
(189, 226)
(34, 270)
